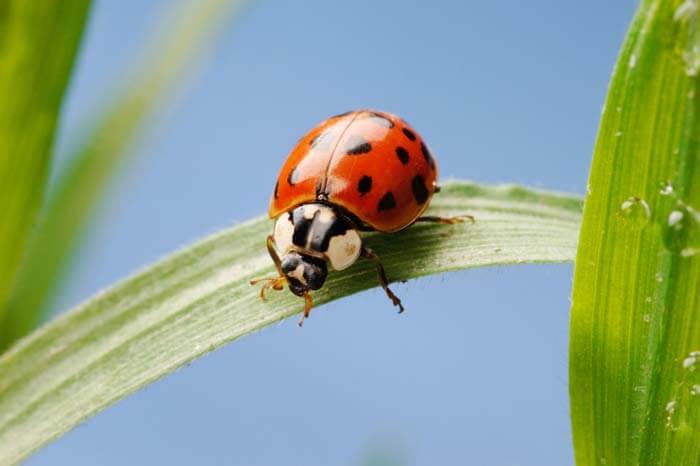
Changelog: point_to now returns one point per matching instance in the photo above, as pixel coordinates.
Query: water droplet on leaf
(635, 211)
(675, 231)
(666, 189)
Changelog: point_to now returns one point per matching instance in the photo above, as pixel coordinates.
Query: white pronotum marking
(326, 215)
(344, 250)
(284, 231)
(309, 211)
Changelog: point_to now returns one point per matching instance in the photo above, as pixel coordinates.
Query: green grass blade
(37, 51)
(635, 393)
(172, 55)
(199, 299)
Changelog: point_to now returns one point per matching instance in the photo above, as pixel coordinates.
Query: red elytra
(371, 164)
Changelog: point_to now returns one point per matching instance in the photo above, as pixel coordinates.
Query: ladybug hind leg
(444, 220)
(381, 274)
(276, 283)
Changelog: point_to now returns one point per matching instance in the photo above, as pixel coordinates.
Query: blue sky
(475, 372)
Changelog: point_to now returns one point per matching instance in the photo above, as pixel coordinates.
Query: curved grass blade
(199, 299)
(635, 335)
(172, 55)
(32, 84)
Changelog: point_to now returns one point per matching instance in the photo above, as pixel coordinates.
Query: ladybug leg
(276, 283)
(308, 304)
(270, 242)
(446, 220)
(369, 254)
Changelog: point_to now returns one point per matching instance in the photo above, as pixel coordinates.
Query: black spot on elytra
(381, 120)
(420, 192)
(402, 154)
(277, 187)
(409, 134)
(364, 185)
(426, 153)
(293, 176)
(387, 202)
(357, 145)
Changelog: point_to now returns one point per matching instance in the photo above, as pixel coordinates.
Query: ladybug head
(303, 272)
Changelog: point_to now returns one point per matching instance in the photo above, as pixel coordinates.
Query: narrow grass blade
(171, 56)
(199, 299)
(635, 332)
(37, 51)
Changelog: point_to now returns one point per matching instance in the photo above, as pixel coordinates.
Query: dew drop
(695, 390)
(647, 318)
(647, 299)
(633, 60)
(635, 211)
(675, 219)
(675, 231)
(682, 236)
(670, 411)
(691, 360)
(692, 61)
(692, 244)
(694, 214)
(687, 13)
(685, 10)
(618, 134)
(689, 363)
(666, 189)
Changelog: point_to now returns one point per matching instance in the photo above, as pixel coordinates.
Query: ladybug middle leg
(446, 220)
(276, 283)
(369, 254)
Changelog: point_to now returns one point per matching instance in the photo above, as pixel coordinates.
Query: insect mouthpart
(303, 272)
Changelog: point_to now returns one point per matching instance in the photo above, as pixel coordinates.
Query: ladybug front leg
(276, 283)
(369, 254)
(446, 220)
(308, 304)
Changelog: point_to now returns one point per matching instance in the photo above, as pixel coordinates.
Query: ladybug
(363, 170)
